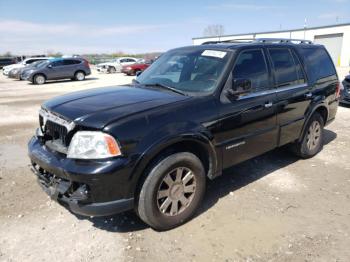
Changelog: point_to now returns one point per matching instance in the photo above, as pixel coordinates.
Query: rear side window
(284, 67)
(71, 62)
(251, 64)
(318, 63)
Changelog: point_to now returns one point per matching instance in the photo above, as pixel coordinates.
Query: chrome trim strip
(272, 91)
(47, 115)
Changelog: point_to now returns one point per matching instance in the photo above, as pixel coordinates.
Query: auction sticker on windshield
(214, 53)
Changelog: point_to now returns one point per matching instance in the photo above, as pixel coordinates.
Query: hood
(10, 67)
(96, 108)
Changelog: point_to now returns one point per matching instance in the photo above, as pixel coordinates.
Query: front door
(248, 125)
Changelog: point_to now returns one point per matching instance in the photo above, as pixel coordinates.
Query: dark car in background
(136, 69)
(5, 61)
(59, 68)
(193, 113)
(345, 94)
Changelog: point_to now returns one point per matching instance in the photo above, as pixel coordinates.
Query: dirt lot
(275, 207)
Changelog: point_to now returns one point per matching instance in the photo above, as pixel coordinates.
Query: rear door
(293, 93)
(56, 71)
(70, 66)
(248, 125)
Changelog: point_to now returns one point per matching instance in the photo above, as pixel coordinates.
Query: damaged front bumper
(90, 188)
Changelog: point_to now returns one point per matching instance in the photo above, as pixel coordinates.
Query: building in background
(336, 38)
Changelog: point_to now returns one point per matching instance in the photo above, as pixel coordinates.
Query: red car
(134, 69)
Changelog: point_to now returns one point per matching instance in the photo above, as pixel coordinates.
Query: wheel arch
(320, 108)
(39, 73)
(198, 145)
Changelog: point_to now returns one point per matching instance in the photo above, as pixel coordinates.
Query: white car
(116, 65)
(24, 63)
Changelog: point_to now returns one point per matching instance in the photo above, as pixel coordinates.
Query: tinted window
(251, 65)
(315, 57)
(71, 62)
(57, 63)
(284, 67)
(299, 68)
(31, 61)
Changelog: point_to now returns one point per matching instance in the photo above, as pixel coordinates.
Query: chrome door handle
(268, 105)
(308, 95)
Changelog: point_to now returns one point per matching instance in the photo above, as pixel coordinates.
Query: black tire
(301, 147)
(39, 79)
(112, 70)
(136, 72)
(79, 76)
(148, 207)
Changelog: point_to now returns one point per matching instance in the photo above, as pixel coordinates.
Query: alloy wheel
(313, 135)
(176, 191)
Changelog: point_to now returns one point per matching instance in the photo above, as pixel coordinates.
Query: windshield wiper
(166, 87)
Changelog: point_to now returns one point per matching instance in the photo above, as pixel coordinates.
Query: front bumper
(90, 188)
(127, 71)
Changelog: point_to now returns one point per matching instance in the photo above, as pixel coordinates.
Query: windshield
(189, 71)
(43, 63)
(38, 63)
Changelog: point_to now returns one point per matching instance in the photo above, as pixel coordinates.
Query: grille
(54, 131)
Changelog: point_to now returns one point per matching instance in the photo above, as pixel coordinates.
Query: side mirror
(138, 73)
(240, 86)
(49, 66)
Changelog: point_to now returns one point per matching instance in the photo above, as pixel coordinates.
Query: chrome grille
(55, 128)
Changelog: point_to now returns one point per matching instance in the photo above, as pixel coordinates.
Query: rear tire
(79, 76)
(172, 191)
(311, 142)
(39, 79)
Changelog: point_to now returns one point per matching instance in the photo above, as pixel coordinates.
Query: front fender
(198, 135)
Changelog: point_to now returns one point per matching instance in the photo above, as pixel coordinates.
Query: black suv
(196, 111)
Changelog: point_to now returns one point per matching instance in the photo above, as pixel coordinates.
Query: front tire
(172, 191)
(311, 142)
(112, 70)
(39, 79)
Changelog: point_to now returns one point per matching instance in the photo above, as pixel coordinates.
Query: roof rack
(261, 40)
(282, 40)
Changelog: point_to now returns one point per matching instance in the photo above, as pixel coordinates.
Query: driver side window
(251, 65)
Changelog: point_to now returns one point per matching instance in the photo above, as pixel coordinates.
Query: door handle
(268, 104)
(308, 95)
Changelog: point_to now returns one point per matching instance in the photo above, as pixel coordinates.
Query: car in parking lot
(345, 94)
(136, 68)
(151, 146)
(5, 61)
(22, 64)
(116, 65)
(16, 73)
(54, 69)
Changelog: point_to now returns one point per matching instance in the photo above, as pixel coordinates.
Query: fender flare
(151, 152)
(310, 113)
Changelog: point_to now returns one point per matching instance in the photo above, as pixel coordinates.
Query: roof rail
(239, 41)
(282, 40)
(261, 40)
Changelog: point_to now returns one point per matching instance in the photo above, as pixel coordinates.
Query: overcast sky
(87, 26)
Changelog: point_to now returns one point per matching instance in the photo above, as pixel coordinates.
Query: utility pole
(305, 26)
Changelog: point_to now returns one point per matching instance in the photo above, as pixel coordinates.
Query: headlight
(93, 145)
(128, 68)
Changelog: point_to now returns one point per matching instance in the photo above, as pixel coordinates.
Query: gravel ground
(275, 207)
